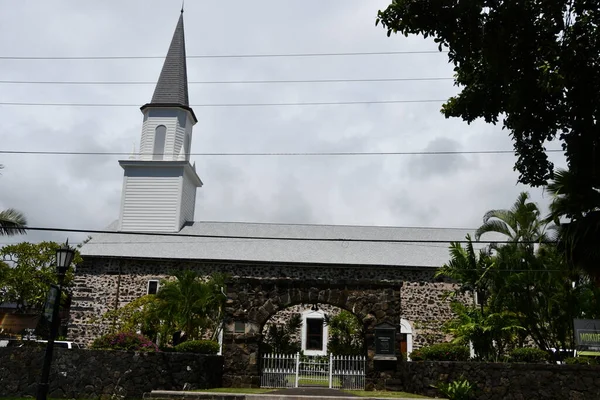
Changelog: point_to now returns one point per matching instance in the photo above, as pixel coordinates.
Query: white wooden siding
(150, 204)
(188, 201)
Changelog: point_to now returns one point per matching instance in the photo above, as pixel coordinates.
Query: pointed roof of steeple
(172, 86)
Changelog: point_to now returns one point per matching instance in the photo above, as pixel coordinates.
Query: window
(239, 327)
(160, 135)
(314, 334)
(152, 286)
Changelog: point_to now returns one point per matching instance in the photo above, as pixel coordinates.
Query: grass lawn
(237, 390)
(363, 393)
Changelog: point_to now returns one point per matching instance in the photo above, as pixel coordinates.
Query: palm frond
(12, 222)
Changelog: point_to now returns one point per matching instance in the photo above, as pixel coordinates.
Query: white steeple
(159, 187)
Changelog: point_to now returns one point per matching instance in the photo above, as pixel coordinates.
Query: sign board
(587, 335)
(50, 302)
(385, 340)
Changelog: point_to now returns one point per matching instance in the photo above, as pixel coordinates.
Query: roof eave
(171, 105)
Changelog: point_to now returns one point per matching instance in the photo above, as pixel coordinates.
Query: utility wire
(272, 55)
(223, 82)
(277, 154)
(325, 103)
(295, 239)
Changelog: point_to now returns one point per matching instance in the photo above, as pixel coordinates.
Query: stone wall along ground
(106, 374)
(506, 381)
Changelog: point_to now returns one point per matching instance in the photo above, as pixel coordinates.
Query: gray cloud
(84, 191)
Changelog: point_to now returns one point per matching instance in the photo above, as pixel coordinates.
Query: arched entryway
(252, 302)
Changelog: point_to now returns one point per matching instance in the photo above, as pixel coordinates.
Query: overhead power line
(224, 82)
(267, 55)
(324, 103)
(296, 239)
(277, 154)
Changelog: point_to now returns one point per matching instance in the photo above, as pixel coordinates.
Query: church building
(334, 262)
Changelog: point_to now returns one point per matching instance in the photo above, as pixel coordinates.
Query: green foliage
(12, 222)
(345, 334)
(441, 352)
(283, 338)
(575, 209)
(489, 333)
(186, 304)
(191, 305)
(27, 282)
(581, 361)
(198, 346)
(531, 291)
(528, 355)
(535, 64)
(457, 390)
(124, 341)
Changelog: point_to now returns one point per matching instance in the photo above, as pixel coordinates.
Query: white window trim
(405, 328)
(148, 285)
(309, 314)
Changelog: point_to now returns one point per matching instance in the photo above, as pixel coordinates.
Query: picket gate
(295, 370)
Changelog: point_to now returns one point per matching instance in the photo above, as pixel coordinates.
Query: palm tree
(521, 223)
(191, 304)
(578, 203)
(12, 222)
(470, 268)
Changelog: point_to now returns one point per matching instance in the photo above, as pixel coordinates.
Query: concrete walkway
(283, 394)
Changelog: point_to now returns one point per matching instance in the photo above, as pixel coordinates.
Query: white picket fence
(294, 370)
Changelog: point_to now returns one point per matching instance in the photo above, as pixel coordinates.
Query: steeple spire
(172, 86)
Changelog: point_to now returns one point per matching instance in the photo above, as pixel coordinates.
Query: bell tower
(159, 184)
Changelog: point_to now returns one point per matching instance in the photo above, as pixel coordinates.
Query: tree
(522, 223)
(27, 282)
(284, 338)
(345, 334)
(490, 334)
(579, 235)
(12, 222)
(469, 268)
(534, 63)
(194, 307)
(186, 304)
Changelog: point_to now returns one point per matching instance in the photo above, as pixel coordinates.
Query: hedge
(198, 346)
(124, 341)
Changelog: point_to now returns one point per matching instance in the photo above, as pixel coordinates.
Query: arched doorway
(252, 302)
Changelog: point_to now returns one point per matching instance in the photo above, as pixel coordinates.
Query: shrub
(441, 352)
(528, 355)
(581, 361)
(457, 390)
(198, 346)
(124, 341)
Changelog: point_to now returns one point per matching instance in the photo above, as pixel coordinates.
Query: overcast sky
(84, 191)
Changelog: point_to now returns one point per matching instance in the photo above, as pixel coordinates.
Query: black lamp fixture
(64, 258)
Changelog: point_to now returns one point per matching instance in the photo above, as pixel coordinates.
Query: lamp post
(64, 257)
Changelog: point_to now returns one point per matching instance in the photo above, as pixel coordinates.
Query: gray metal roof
(172, 86)
(310, 251)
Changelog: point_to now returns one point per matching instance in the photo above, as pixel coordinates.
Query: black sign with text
(587, 334)
(385, 340)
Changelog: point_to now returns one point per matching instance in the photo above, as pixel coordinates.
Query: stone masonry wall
(104, 284)
(80, 374)
(503, 381)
